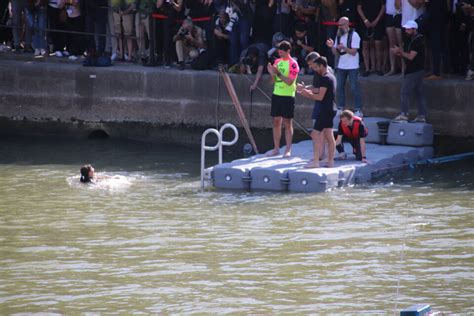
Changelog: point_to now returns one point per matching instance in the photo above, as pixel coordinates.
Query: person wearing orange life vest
(353, 131)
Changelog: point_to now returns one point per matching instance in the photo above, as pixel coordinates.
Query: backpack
(349, 38)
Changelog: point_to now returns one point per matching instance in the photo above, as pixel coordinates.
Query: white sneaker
(65, 53)
(359, 114)
(113, 57)
(470, 74)
(58, 54)
(401, 118)
(72, 57)
(37, 52)
(43, 52)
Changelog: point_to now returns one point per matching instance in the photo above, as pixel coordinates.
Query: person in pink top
(283, 73)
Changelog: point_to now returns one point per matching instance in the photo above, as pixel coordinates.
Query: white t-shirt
(409, 13)
(390, 8)
(348, 61)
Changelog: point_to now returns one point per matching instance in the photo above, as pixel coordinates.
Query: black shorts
(324, 120)
(376, 33)
(393, 21)
(283, 106)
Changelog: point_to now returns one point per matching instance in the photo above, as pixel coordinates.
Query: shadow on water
(103, 153)
(453, 175)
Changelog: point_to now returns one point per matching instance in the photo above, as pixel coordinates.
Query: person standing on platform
(412, 82)
(322, 129)
(283, 73)
(346, 46)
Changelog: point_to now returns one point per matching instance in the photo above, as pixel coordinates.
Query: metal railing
(206, 173)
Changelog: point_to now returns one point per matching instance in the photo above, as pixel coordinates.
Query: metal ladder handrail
(223, 142)
(219, 146)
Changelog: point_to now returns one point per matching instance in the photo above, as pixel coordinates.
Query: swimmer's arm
(339, 140)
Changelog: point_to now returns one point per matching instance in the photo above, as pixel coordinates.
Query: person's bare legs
(378, 55)
(276, 136)
(392, 41)
(329, 137)
(288, 123)
(318, 141)
(385, 54)
(130, 48)
(372, 56)
(121, 50)
(366, 50)
(398, 33)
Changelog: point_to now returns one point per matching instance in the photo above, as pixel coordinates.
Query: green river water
(149, 241)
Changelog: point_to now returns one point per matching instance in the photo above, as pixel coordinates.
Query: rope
(218, 99)
(251, 107)
(402, 259)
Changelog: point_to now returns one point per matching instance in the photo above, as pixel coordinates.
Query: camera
(183, 33)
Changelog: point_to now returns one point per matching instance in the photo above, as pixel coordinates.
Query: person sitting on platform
(353, 131)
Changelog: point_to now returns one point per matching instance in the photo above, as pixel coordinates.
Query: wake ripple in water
(112, 183)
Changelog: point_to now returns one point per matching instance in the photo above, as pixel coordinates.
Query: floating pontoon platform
(407, 143)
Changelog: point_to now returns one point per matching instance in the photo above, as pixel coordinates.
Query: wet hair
(85, 174)
(347, 114)
(321, 61)
(285, 46)
(312, 56)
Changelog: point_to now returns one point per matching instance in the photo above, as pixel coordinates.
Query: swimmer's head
(87, 173)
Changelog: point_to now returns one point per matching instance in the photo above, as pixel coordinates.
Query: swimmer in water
(87, 174)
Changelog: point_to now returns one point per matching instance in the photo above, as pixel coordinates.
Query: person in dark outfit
(458, 37)
(96, 12)
(322, 129)
(371, 13)
(437, 11)
(348, 8)
(468, 9)
(412, 81)
(166, 27)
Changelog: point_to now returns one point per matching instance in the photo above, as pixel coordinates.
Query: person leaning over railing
(36, 19)
(74, 23)
(124, 12)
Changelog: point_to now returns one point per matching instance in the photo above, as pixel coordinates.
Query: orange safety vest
(354, 134)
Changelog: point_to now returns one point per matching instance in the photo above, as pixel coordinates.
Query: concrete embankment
(153, 104)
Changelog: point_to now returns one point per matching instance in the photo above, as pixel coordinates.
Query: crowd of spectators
(240, 35)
